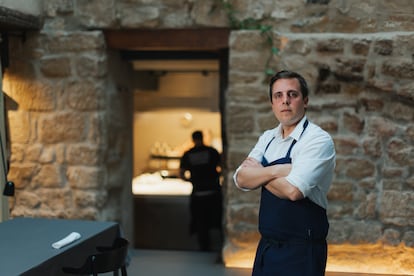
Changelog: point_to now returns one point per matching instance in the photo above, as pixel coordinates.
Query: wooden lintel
(168, 39)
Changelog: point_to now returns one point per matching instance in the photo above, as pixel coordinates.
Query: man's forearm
(281, 188)
(252, 177)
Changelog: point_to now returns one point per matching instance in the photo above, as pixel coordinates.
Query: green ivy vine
(251, 24)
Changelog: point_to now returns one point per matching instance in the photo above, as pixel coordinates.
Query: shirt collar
(295, 134)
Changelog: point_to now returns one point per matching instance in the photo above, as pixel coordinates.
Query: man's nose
(286, 99)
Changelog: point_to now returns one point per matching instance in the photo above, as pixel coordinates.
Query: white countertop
(155, 184)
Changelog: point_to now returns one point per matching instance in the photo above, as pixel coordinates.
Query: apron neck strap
(305, 124)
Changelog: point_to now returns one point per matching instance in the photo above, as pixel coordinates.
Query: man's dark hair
(197, 135)
(289, 75)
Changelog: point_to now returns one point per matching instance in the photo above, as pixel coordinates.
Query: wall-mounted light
(186, 119)
(8, 189)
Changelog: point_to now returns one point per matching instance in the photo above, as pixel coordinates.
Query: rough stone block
(49, 175)
(55, 66)
(31, 95)
(330, 45)
(401, 152)
(408, 238)
(353, 122)
(241, 124)
(78, 41)
(380, 126)
(98, 13)
(341, 191)
(85, 96)
(383, 47)
(398, 68)
(338, 210)
(206, 13)
(55, 7)
(361, 46)
(144, 16)
(399, 111)
(358, 168)
(372, 147)
(367, 207)
(406, 90)
(28, 200)
(85, 177)
(84, 154)
(347, 145)
(63, 127)
(372, 104)
(91, 65)
(349, 69)
(365, 231)
(400, 216)
(84, 199)
(21, 132)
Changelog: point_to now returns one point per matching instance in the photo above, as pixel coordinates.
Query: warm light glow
(156, 184)
(239, 263)
(371, 258)
(186, 119)
(239, 257)
(360, 258)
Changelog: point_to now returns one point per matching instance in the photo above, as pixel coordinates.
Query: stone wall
(298, 16)
(69, 107)
(70, 118)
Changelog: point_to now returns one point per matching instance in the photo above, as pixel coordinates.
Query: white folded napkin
(66, 240)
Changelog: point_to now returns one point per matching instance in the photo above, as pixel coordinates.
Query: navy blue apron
(293, 233)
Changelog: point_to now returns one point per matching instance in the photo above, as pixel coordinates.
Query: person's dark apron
(293, 233)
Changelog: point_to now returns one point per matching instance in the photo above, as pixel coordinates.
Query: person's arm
(184, 168)
(313, 165)
(219, 165)
(282, 188)
(182, 174)
(252, 174)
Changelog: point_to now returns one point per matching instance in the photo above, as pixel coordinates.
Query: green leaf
(270, 71)
(250, 24)
(265, 28)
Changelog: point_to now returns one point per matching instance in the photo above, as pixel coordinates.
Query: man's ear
(306, 100)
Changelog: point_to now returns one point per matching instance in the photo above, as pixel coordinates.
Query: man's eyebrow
(291, 90)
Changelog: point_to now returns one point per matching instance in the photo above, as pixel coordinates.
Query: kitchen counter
(161, 213)
(156, 184)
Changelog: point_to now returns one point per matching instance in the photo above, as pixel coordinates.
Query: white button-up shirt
(313, 158)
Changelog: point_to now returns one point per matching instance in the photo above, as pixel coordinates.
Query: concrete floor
(190, 263)
(179, 263)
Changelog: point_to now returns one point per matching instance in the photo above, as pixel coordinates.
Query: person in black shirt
(203, 164)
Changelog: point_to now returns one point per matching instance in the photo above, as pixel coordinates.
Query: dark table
(26, 244)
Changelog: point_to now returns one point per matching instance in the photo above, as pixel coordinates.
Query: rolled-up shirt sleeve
(235, 180)
(256, 153)
(313, 165)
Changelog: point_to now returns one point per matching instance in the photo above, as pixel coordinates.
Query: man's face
(288, 104)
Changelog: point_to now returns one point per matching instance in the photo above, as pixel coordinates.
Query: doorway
(179, 87)
(172, 98)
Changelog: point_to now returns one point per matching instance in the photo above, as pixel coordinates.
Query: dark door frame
(178, 44)
(203, 43)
